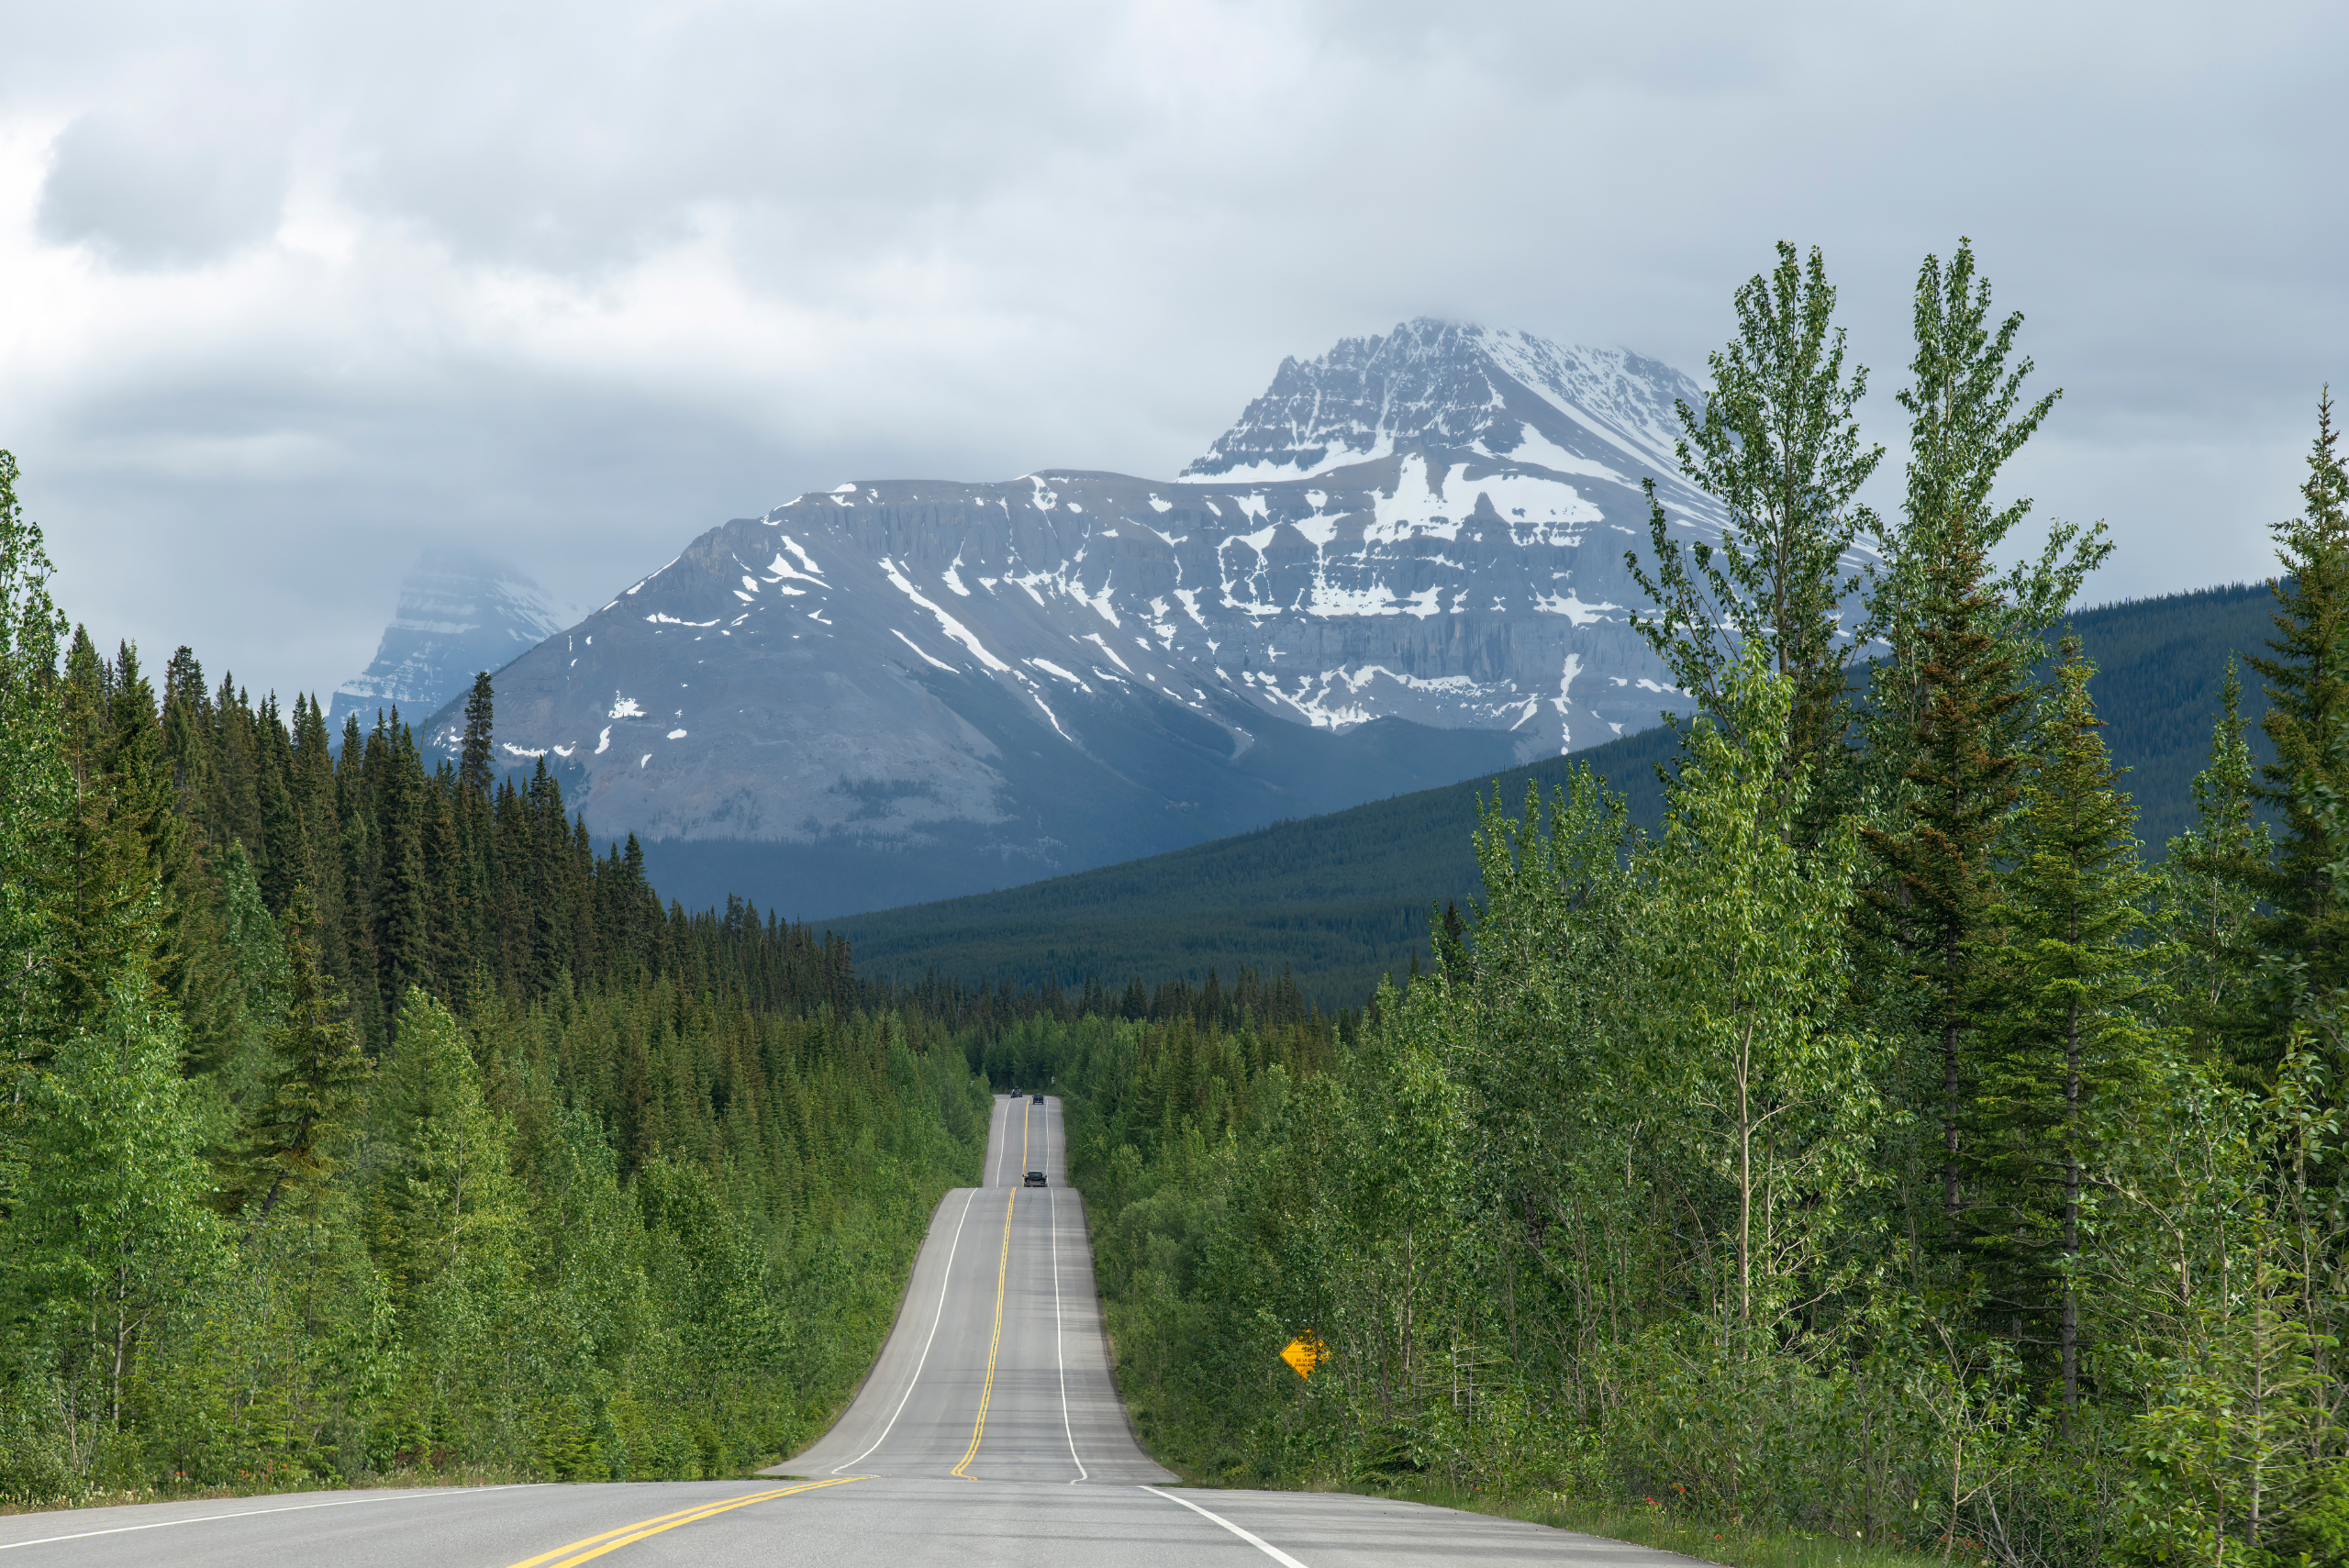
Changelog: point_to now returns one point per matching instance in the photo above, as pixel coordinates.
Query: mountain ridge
(980, 684)
(1342, 899)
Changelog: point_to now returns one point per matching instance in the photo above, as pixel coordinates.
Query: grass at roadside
(402, 1479)
(1709, 1540)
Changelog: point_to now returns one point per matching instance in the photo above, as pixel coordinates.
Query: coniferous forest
(358, 1117)
(1890, 1147)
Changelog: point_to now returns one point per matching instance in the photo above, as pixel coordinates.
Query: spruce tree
(1966, 421)
(1947, 706)
(476, 758)
(108, 922)
(403, 896)
(284, 853)
(1936, 905)
(2307, 670)
(317, 1077)
(2070, 1031)
(2208, 908)
(186, 733)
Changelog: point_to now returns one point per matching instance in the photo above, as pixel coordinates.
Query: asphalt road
(988, 1432)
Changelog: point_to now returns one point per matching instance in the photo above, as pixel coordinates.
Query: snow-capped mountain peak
(979, 683)
(1434, 385)
(459, 614)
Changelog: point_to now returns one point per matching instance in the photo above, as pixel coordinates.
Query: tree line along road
(989, 1432)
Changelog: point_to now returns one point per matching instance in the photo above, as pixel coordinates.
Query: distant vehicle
(1035, 1179)
(1036, 1099)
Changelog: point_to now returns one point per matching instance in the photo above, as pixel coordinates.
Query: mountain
(1403, 565)
(1340, 900)
(459, 614)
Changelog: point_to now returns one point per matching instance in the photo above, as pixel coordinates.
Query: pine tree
(2307, 670)
(315, 1084)
(2208, 906)
(1935, 908)
(1965, 422)
(187, 724)
(401, 902)
(1778, 445)
(476, 759)
(1946, 708)
(2070, 1028)
(107, 921)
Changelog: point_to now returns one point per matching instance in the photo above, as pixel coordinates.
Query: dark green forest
(1342, 899)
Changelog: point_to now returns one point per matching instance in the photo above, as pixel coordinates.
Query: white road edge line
(1266, 1547)
(421, 1494)
(945, 1279)
(1059, 1353)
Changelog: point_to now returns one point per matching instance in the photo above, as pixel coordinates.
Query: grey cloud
(153, 190)
(968, 241)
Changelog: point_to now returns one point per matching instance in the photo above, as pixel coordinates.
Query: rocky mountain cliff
(457, 615)
(1401, 567)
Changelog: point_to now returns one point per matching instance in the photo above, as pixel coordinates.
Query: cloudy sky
(289, 289)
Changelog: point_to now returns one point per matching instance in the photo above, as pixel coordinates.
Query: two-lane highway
(989, 1432)
(997, 1370)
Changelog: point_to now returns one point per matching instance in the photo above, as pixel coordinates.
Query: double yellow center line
(613, 1539)
(1002, 1272)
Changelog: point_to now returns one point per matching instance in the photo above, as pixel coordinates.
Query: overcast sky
(291, 289)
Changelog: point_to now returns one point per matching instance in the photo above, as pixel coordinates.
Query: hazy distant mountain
(457, 615)
(1402, 566)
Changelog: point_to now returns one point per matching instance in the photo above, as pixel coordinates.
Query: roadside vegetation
(359, 1121)
(1888, 1151)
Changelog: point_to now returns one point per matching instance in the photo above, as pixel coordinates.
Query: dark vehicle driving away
(1037, 1099)
(1035, 1178)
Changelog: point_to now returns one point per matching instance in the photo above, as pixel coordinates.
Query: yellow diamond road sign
(1303, 1353)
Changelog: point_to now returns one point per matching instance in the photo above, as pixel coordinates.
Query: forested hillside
(1340, 900)
(357, 1119)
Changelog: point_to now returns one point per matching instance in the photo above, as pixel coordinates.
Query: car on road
(1036, 1099)
(1035, 1179)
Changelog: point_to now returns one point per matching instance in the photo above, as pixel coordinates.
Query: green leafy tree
(1777, 444)
(39, 800)
(110, 1233)
(448, 1192)
(1742, 963)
